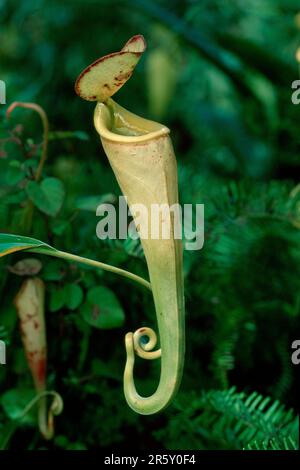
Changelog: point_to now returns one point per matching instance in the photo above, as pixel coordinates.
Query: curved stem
(36, 399)
(46, 420)
(46, 424)
(26, 220)
(95, 264)
(169, 304)
(38, 109)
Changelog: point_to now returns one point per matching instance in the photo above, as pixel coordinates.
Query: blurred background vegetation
(218, 74)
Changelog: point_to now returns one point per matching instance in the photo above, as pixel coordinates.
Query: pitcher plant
(142, 158)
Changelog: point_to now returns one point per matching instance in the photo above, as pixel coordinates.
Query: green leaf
(57, 299)
(48, 196)
(14, 401)
(69, 296)
(11, 243)
(102, 309)
(74, 296)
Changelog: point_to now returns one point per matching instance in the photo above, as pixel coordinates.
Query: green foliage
(102, 309)
(48, 196)
(69, 296)
(12, 243)
(14, 401)
(273, 444)
(227, 419)
(218, 74)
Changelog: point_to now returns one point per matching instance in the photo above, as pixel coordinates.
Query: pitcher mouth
(115, 123)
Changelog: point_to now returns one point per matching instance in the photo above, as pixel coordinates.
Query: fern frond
(286, 443)
(230, 419)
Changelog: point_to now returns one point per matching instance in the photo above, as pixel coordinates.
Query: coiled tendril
(46, 421)
(144, 349)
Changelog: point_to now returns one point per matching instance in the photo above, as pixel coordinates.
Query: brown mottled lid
(104, 77)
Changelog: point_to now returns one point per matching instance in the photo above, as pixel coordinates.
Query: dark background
(218, 74)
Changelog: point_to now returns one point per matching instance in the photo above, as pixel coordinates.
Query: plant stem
(38, 109)
(45, 122)
(95, 264)
(26, 221)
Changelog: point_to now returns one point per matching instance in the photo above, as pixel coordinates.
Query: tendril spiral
(144, 349)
